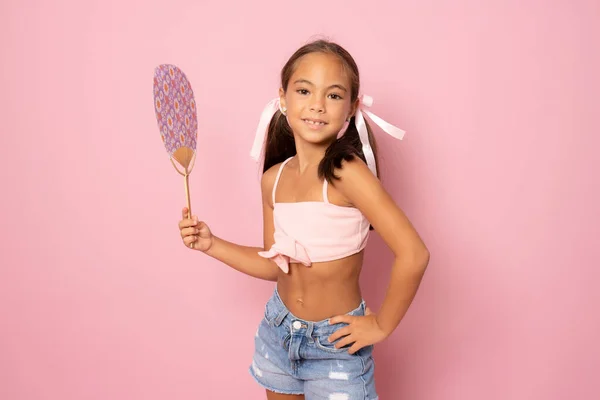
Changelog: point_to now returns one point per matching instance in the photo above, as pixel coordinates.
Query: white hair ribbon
(263, 125)
(361, 126)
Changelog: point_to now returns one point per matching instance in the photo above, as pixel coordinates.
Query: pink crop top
(315, 231)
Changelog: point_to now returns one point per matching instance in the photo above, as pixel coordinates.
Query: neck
(309, 156)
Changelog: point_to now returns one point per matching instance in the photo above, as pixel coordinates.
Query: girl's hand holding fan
(195, 234)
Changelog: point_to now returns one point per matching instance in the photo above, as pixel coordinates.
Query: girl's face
(318, 98)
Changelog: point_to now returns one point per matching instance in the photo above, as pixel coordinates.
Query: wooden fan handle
(186, 173)
(187, 193)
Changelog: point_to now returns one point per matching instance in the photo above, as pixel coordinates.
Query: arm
(244, 258)
(365, 192)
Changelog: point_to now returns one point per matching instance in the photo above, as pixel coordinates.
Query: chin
(316, 138)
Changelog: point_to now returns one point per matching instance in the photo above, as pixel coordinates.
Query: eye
(335, 96)
(302, 91)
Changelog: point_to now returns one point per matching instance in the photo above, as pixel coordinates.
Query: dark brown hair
(280, 143)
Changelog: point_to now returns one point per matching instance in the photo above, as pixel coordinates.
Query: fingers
(187, 222)
(345, 341)
(189, 231)
(355, 347)
(188, 240)
(184, 214)
(339, 333)
(341, 319)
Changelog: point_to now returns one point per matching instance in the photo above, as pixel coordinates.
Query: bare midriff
(323, 290)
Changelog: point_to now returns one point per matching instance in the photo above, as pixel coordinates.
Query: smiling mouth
(314, 123)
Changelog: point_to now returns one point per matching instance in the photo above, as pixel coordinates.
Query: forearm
(243, 258)
(404, 282)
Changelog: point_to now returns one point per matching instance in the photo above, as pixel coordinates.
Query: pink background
(100, 300)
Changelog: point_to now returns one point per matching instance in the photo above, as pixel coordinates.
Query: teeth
(315, 123)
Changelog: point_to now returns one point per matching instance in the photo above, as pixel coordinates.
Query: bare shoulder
(267, 182)
(354, 176)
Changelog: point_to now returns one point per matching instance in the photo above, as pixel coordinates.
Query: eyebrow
(337, 85)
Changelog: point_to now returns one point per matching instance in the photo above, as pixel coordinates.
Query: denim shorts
(293, 356)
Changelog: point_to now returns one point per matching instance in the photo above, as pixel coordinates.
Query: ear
(282, 98)
(353, 107)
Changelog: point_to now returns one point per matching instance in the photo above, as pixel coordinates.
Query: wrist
(385, 329)
(211, 249)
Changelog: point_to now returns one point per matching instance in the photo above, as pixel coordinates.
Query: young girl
(321, 196)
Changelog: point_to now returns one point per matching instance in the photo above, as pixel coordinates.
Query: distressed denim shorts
(293, 356)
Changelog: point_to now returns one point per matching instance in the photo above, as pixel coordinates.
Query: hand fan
(175, 109)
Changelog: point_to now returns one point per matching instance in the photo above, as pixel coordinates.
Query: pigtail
(280, 143)
(346, 148)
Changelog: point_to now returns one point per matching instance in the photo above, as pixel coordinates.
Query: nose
(317, 105)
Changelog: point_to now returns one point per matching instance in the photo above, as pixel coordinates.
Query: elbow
(424, 258)
(420, 253)
(420, 259)
(416, 257)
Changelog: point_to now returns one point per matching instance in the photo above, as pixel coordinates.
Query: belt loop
(282, 314)
(279, 304)
(309, 331)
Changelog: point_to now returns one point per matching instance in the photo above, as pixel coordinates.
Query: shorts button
(297, 325)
